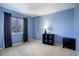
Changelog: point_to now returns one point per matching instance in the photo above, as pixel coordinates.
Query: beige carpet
(36, 48)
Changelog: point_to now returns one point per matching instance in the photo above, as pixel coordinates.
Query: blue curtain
(7, 30)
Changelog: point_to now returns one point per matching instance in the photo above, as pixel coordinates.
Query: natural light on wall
(46, 26)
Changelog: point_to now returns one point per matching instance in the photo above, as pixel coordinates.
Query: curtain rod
(16, 17)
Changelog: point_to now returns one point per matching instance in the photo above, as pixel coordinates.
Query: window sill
(16, 33)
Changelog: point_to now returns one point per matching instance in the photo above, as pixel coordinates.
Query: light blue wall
(62, 24)
(31, 28)
(1, 28)
(16, 38)
(76, 26)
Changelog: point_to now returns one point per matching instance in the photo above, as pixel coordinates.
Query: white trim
(76, 53)
(17, 43)
(17, 33)
(58, 44)
(13, 45)
(1, 48)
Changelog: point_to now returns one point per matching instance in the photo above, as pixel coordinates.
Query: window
(16, 25)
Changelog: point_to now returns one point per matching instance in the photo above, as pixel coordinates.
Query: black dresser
(48, 39)
(69, 43)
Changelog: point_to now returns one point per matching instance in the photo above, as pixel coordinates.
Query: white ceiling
(37, 9)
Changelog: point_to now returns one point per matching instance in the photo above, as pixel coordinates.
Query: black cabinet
(48, 39)
(69, 43)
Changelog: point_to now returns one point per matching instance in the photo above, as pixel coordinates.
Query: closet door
(25, 31)
(7, 30)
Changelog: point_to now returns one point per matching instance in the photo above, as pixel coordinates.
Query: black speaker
(69, 43)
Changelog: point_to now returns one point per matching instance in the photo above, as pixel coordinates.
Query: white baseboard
(76, 53)
(58, 44)
(1, 48)
(13, 45)
(17, 43)
(31, 39)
